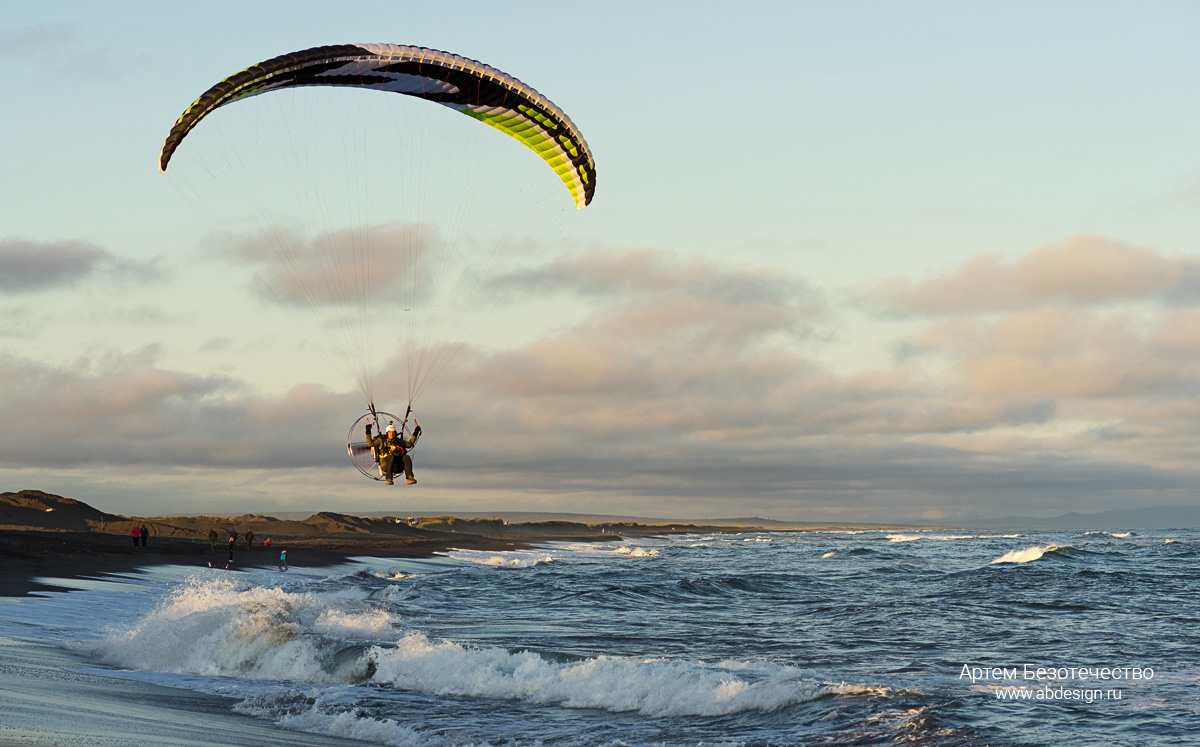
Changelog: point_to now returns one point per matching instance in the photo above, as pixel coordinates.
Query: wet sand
(43, 701)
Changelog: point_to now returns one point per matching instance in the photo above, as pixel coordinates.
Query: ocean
(812, 638)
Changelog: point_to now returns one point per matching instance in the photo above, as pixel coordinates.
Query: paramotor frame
(362, 454)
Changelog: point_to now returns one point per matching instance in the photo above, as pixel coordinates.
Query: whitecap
(915, 537)
(1026, 555)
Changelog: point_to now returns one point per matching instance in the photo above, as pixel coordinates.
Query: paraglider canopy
(471, 87)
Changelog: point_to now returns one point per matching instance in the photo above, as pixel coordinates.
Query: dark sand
(44, 702)
(31, 560)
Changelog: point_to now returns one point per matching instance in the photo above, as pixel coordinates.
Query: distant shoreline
(45, 536)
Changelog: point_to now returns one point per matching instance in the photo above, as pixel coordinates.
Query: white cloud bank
(1063, 380)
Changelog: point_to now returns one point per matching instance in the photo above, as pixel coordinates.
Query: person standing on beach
(249, 538)
(283, 560)
(145, 534)
(137, 533)
(232, 539)
(212, 539)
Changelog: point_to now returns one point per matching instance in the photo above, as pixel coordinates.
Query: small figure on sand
(137, 533)
(283, 561)
(145, 532)
(249, 539)
(267, 543)
(212, 539)
(232, 539)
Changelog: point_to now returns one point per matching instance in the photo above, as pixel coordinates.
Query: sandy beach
(46, 700)
(54, 696)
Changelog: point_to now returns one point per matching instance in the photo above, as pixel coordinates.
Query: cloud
(216, 345)
(691, 384)
(692, 380)
(122, 408)
(20, 321)
(679, 387)
(1085, 270)
(695, 379)
(32, 41)
(1093, 339)
(29, 266)
(384, 264)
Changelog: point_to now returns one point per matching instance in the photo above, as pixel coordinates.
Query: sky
(861, 262)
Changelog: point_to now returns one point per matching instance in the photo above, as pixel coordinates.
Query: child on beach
(283, 561)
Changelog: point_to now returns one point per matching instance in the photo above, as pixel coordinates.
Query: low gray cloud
(383, 264)
(693, 397)
(1085, 270)
(122, 408)
(30, 266)
(668, 398)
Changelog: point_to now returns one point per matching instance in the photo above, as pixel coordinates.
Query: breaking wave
(1033, 553)
(221, 628)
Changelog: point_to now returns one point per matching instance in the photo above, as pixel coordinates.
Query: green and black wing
(473, 88)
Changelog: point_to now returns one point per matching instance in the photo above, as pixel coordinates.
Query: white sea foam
(366, 624)
(219, 627)
(393, 575)
(652, 687)
(556, 552)
(915, 537)
(829, 554)
(1026, 555)
(514, 559)
(635, 552)
(324, 712)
